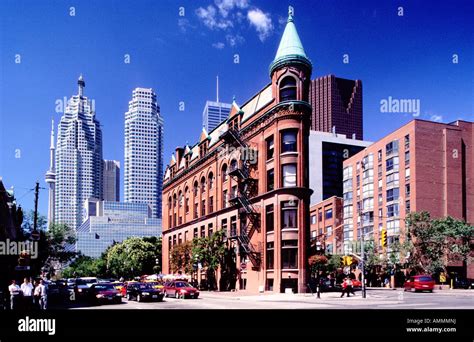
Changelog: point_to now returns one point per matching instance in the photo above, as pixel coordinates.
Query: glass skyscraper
(110, 222)
(214, 113)
(143, 167)
(78, 159)
(111, 180)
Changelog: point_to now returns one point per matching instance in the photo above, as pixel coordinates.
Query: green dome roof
(290, 48)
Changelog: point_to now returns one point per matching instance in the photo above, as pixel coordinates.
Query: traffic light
(384, 238)
(347, 260)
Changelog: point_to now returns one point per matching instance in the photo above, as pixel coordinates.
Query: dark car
(420, 283)
(180, 289)
(104, 293)
(144, 291)
(57, 290)
(462, 283)
(83, 285)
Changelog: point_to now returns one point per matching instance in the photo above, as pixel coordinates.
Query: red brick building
(326, 226)
(336, 106)
(249, 177)
(422, 166)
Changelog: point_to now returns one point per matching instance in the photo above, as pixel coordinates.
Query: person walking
(15, 292)
(347, 287)
(27, 290)
(42, 294)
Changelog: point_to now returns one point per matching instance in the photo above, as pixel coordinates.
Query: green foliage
(334, 262)
(181, 258)
(84, 266)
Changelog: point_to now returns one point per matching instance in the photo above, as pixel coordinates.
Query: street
(376, 299)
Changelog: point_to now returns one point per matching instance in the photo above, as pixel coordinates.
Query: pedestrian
(36, 297)
(27, 290)
(347, 287)
(41, 292)
(15, 293)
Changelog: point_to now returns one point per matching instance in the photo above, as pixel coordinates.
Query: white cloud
(437, 118)
(226, 6)
(211, 19)
(184, 24)
(234, 40)
(218, 45)
(262, 23)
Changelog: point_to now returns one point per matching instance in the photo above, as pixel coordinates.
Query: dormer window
(288, 89)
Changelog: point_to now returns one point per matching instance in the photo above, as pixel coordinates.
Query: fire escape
(247, 188)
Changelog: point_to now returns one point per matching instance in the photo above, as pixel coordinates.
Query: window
(328, 230)
(270, 180)
(391, 147)
(379, 171)
(391, 164)
(203, 208)
(233, 165)
(289, 215)
(407, 207)
(195, 233)
(203, 231)
(196, 210)
(224, 199)
(180, 239)
(320, 216)
(270, 147)
(393, 194)
(224, 226)
(328, 214)
(314, 235)
(289, 175)
(407, 141)
(392, 179)
(347, 172)
(380, 199)
(233, 192)
(211, 204)
(269, 218)
(224, 174)
(379, 155)
(210, 229)
(407, 189)
(313, 219)
(289, 254)
(203, 184)
(288, 89)
(187, 205)
(196, 188)
(407, 157)
(233, 226)
(288, 141)
(211, 180)
(270, 255)
(348, 211)
(392, 210)
(169, 243)
(407, 174)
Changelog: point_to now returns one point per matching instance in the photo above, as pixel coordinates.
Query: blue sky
(406, 57)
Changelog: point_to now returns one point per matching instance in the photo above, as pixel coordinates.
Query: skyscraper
(50, 178)
(215, 112)
(337, 106)
(111, 180)
(78, 159)
(143, 169)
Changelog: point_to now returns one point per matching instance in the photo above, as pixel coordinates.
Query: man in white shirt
(41, 293)
(14, 294)
(27, 290)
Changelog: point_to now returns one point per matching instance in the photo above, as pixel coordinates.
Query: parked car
(57, 290)
(463, 283)
(180, 289)
(104, 292)
(420, 283)
(144, 291)
(83, 285)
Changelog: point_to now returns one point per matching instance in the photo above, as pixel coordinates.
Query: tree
(84, 266)
(334, 262)
(181, 258)
(317, 263)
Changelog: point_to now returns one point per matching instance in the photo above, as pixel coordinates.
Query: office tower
(111, 180)
(78, 159)
(143, 169)
(215, 112)
(337, 106)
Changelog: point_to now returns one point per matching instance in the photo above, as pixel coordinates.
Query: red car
(420, 283)
(180, 289)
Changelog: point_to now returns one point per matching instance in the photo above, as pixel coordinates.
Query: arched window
(169, 202)
(203, 184)
(224, 174)
(211, 180)
(196, 188)
(288, 89)
(174, 201)
(180, 199)
(186, 200)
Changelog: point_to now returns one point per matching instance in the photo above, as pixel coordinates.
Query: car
(144, 291)
(462, 283)
(180, 289)
(420, 283)
(104, 292)
(83, 285)
(155, 284)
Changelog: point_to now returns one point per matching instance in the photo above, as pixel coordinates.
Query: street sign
(22, 268)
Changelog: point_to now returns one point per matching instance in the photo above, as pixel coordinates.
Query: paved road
(376, 299)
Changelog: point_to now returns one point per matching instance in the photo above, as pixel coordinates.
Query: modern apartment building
(143, 169)
(249, 177)
(422, 166)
